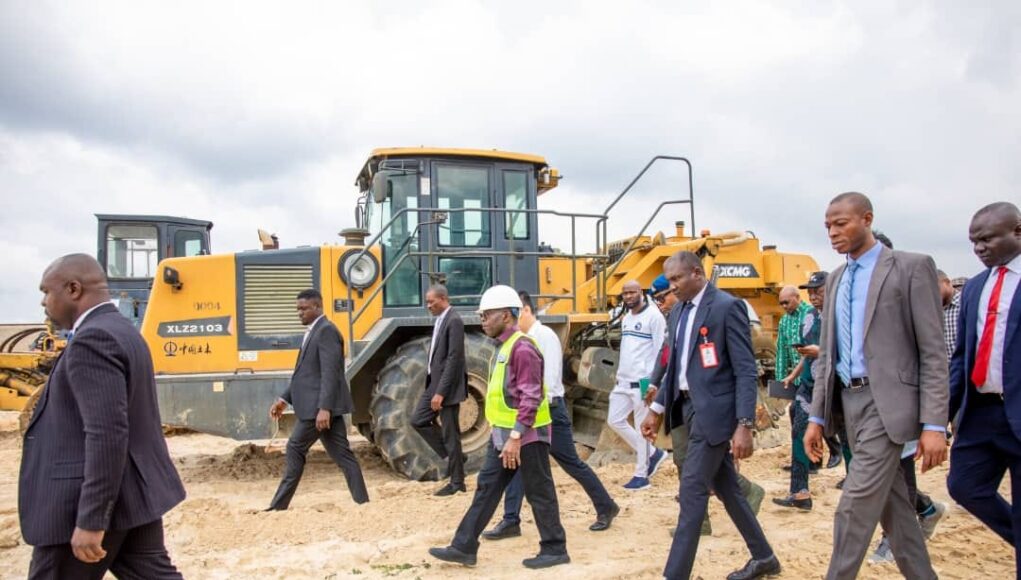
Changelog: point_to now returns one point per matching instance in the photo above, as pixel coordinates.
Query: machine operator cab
(130, 247)
(452, 216)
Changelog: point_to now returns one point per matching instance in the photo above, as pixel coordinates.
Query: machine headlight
(358, 272)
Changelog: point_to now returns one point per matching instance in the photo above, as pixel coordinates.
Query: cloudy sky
(259, 114)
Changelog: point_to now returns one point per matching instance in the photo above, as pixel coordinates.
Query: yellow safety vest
(498, 413)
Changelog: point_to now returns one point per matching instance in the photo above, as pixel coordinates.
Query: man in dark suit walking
(96, 476)
(320, 396)
(882, 366)
(710, 384)
(985, 378)
(446, 385)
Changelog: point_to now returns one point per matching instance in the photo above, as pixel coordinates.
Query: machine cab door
(517, 232)
(490, 241)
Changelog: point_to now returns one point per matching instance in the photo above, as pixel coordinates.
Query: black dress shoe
(603, 521)
(757, 569)
(546, 561)
(503, 529)
(840, 484)
(786, 467)
(792, 502)
(813, 468)
(452, 554)
(450, 489)
(833, 462)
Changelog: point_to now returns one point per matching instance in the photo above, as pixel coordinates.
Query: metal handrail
(354, 315)
(602, 277)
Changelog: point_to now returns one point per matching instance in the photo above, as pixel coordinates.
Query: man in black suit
(710, 384)
(446, 385)
(320, 396)
(96, 476)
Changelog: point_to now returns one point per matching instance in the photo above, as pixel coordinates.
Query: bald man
(96, 476)
(985, 378)
(642, 332)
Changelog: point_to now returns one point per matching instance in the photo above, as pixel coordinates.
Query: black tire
(398, 388)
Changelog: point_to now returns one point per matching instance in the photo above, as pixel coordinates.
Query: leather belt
(855, 384)
(556, 402)
(978, 399)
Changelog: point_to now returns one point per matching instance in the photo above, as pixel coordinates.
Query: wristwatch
(744, 422)
(515, 435)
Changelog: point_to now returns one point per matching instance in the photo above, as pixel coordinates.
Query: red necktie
(985, 346)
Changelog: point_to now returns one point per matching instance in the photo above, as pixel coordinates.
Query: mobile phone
(798, 345)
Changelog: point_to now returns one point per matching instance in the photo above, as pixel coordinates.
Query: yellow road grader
(224, 333)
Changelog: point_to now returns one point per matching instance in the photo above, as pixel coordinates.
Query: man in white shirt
(562, 440)
(642, 333)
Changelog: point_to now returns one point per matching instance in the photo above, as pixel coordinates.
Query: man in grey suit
(446, 385)
(320, 396)
(883, 368)
(96, 477)
(710, 384)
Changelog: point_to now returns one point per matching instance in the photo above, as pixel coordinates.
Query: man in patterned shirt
(951, 308)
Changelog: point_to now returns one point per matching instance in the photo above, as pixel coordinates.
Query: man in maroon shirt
(520, 440)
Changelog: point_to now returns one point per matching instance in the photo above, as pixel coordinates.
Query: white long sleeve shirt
(641, 342)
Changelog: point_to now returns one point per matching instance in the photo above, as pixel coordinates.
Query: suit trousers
(984, 450)
(708, 467)
(679, 437)
(874, 492)
(562, 449)
(540, 492)
(136, 553)
(444, 438)
(335, 441)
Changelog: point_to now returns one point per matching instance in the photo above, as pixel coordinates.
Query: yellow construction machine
(224, 333)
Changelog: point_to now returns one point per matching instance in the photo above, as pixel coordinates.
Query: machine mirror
(172, 277)
(380, 187)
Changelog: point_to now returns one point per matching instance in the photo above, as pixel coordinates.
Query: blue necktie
(679, 350)
(844, 323)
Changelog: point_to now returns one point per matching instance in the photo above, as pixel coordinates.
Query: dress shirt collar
(442, 315)
(869, 258)
(1013, 266)
(698, 297)
(507, 332)
(309, 328)
(81, 317)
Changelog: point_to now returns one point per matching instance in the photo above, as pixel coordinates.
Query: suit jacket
(903, 345)
(963, 361)
(447, 374)
(94, 455)
(318, 381)
(720, 394)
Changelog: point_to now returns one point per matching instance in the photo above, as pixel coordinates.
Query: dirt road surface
(220, 532)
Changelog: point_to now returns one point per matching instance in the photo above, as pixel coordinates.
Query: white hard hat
(499, 297)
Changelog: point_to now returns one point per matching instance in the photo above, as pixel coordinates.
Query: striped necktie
(844, 324)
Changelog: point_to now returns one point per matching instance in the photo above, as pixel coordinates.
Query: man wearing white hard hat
(519, 412)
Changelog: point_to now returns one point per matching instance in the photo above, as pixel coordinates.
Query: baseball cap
(660, 284)
(815, 281)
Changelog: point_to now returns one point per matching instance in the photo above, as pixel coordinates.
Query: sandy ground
(219, 532)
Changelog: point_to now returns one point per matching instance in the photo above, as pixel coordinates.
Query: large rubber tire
(398, 388)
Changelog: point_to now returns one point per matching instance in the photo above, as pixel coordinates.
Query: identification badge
(708, 352)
